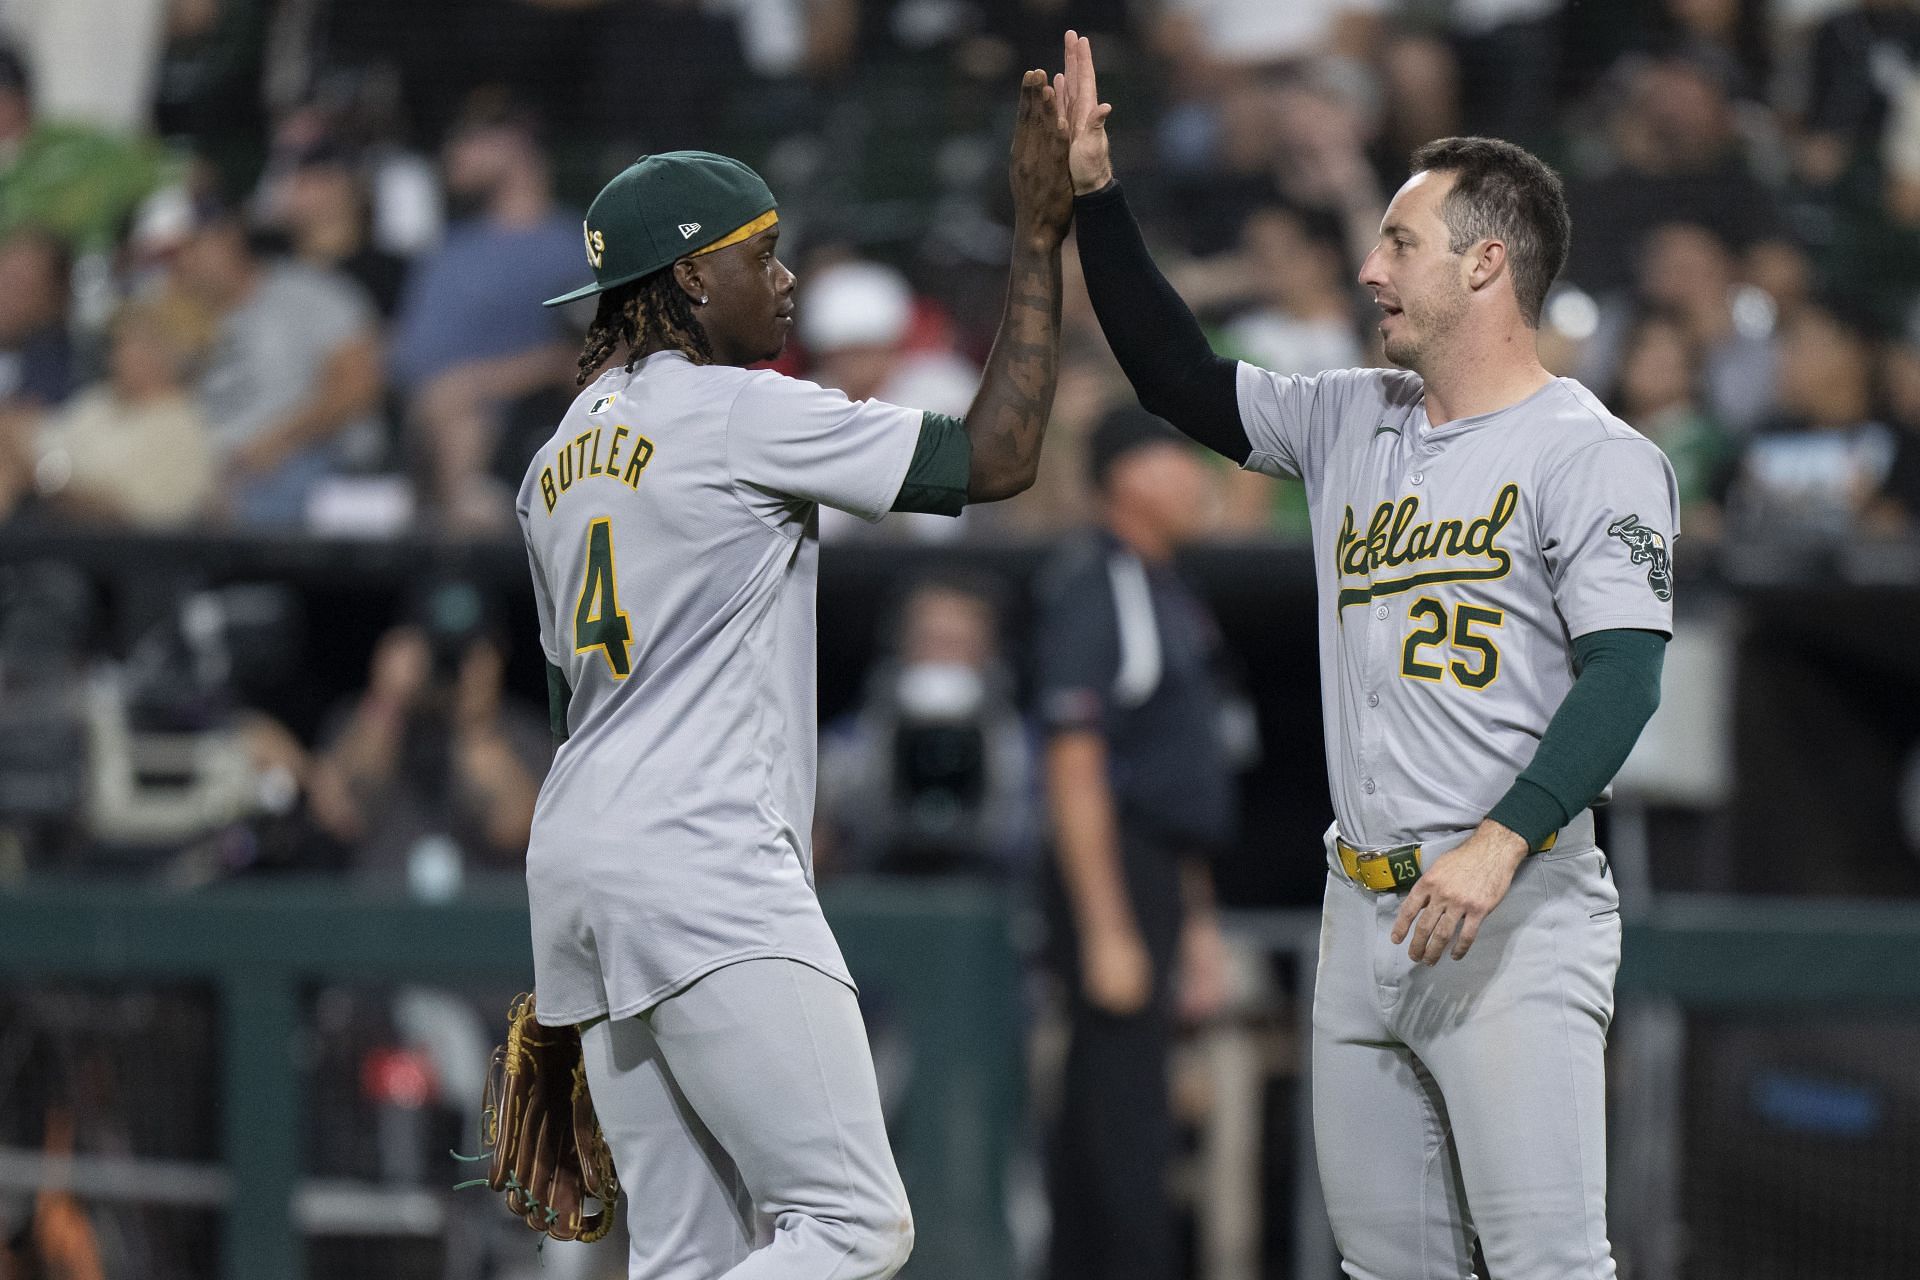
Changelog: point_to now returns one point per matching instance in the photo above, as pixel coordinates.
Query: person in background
(1292, 313)
(1858, 60)
(1896, 508)
(1674, 153)
(295, 377)
(1659, 396)
(135, 449)
(859, 327)
(434, 767)
(1815, 470)
(859, 330)
(1090, 384)
(1687, 272)
(471, 339)
(36, 357)
(319, 199)
(934, 773)
(71, 180)
(1140, 793)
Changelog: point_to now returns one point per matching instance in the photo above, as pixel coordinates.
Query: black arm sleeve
(1154, 336)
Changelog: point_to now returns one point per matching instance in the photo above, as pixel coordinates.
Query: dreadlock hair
(653, 311)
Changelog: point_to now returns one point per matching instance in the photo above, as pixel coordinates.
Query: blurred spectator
(863, 332)
(1687, 271)
(934, 772)
(135, 449)
(1296, 137)
(1300, 315)
(857, 321)
(319, 198)
(1206, 39)
(83, 79)
(1420, 84)
(1089, 385)
(1658, 395)
(1897, 508)
(471, 339)
(433, 768)
(1509, 59)
(294, 379)
(1292, 312)
(1140, 792)
(677, 110)
(72, 180)
(1860, 64)
(1738, 31)
(1672, 154)
(1819, 467)
(36, 357)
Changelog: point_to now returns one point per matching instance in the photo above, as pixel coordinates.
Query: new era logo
(687, 229)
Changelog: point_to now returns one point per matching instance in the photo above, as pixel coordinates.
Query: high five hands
(1042, 196)
(1083, 117)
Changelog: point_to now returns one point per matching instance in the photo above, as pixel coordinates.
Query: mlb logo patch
(601, 405)
(687, 229)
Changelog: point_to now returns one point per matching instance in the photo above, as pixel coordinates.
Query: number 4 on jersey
(597, 620)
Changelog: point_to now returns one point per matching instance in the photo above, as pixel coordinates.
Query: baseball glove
(548, 1153)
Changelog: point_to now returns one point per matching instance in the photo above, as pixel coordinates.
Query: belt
(1385, 870)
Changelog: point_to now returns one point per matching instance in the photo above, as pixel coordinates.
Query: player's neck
(1483, 378)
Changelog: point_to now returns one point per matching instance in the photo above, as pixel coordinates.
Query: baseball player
(672, 528)
(1495, 593)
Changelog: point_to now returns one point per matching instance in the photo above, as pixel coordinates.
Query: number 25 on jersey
(597, 620)
(1479, 672)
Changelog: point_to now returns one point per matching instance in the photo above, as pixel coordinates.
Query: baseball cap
(1121, 431)
(669, 206)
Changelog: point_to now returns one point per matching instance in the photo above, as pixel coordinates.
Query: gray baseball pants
(1469, 1098)
(745, 1125)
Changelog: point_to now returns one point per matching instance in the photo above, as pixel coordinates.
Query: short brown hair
(1504, 192)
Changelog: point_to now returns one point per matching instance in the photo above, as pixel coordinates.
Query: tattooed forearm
(1008, 419)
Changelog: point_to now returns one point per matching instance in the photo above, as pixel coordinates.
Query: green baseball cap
(669, 206)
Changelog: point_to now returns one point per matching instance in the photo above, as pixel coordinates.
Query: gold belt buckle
(1381, 870)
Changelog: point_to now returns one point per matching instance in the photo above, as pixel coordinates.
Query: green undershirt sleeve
(1615, 690)
(936, 480)
(559, 695)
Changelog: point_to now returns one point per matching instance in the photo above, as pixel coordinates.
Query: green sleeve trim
(942, 463)
(559, 697)
(1615, 691)
(1530, 812)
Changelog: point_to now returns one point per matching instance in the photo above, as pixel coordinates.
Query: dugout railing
(941, 960)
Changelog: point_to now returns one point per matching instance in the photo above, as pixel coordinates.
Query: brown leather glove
(549, 1155)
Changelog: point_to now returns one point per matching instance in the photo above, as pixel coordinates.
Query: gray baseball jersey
(1455, 567)
(671, 523)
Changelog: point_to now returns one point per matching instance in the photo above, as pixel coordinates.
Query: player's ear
(1485, 261)
(692, 280)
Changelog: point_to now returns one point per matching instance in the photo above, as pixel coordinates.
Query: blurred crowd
(275, 266)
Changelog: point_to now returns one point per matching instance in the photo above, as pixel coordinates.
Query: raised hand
(1084, 118)
(1042, 196)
